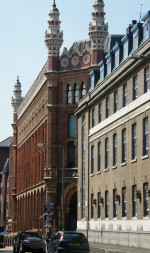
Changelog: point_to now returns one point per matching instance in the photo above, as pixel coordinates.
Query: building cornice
(125, 114)
(125, 68)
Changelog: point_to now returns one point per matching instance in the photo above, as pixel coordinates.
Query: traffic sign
(49, 208)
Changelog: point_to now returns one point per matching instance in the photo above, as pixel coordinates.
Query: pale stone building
(114, 146)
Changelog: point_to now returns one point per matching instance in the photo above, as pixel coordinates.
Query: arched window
(83, 90)
(69, 94)
(76, 94)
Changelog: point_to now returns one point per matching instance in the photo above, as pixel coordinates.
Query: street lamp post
(41, 145)
(62, 188)
(62, 185)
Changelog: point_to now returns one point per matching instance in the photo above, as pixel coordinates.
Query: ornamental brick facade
(44, 160)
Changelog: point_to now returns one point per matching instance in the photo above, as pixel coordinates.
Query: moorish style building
(114, 144)
(44, 169)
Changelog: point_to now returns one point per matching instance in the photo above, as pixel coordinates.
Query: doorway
(73, 213)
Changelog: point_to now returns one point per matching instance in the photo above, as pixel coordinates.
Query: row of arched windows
(75, 92)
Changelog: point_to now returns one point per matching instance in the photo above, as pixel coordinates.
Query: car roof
(33, 237)
(70, 232)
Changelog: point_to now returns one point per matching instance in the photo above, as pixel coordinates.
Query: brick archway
(70, 205)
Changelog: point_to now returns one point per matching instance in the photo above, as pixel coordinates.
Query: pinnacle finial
(54, 4)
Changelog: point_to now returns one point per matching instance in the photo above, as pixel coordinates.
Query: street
(103, 248)
(8, 250)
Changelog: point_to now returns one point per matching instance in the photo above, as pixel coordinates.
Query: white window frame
(117, 55)
(101, 73)
(125, 49)
(135, 39)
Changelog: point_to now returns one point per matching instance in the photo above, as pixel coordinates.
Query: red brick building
(4, 172)
(44, 169)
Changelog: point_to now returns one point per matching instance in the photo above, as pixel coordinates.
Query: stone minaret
(16, 98)
(98, 32)
(15, 101)
(53, 38)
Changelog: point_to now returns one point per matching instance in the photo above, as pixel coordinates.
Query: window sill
(114, 167)
(99, 172)
(124, 218)
(145, 157)
(123, 164)
(134, 218)
(146, 218)
(134, 160)
(91, 175)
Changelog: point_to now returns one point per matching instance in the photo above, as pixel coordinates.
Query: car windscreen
(33, 238)
(26, 234)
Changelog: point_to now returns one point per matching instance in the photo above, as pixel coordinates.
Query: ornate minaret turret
(16, 98)
(98, 31)
(53, 38)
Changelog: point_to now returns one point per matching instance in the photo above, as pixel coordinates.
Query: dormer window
(146, 31)
(102, 70)
(146, 26)
(108, 66)
(125, 49)
(101, 73)
(94, 77)
(110, 62)
(135, 40)
(117, 55)
(92, 82)
(137, 31)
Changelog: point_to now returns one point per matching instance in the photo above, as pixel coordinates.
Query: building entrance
(73, 213)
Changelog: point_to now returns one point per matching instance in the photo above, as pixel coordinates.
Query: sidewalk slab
(7, 248)
(108, 248)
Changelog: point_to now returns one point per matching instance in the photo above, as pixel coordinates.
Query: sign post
(49, 210)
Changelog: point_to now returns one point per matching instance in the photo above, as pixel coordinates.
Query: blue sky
(22, 50)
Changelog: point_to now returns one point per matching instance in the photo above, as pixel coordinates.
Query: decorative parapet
(41, 79)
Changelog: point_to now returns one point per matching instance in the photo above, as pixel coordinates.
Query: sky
(22, 49)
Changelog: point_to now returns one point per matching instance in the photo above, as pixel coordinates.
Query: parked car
(1, 241)
(68, 242)
(33, 244)
(19, 238)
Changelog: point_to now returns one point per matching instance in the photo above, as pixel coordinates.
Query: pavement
(6, 249)
(109, 248)
(102, 248)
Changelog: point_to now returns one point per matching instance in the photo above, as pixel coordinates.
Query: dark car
(19, 238)
(33, 244)
(1, 241)
(68, 242)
